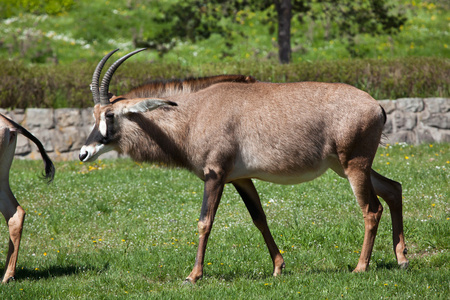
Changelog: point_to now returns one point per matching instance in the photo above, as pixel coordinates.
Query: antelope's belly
(288, 175)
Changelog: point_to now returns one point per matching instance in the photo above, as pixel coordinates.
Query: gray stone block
(39, 118)
(66, 117)
(410, 104)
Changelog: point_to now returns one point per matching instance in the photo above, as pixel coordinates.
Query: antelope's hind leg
(358, 174)
(9, 207)
(15, 226)
(391, 192)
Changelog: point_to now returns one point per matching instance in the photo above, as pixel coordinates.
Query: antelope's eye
(109, 115)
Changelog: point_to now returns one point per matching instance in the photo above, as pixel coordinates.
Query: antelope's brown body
(237, 129)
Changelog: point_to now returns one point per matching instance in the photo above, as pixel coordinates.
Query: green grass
(117, 229)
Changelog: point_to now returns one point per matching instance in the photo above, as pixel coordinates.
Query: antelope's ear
(148, 105)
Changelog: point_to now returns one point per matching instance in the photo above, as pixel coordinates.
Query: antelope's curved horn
(104, 99)
(96, 77)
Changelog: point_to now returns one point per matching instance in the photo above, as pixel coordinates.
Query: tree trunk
(284, 10)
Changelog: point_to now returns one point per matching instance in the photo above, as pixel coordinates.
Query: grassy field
(118, 229)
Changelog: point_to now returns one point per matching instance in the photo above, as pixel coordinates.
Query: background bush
(23, 85)
(9, 8)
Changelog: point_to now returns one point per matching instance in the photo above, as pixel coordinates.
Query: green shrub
(58, 86)
(9, 8)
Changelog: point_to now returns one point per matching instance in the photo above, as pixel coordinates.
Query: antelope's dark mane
(182, 86)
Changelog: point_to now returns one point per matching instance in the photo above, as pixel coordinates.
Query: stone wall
(64, 131)
(417, 120)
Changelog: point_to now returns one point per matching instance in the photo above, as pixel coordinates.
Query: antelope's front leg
(211, 197)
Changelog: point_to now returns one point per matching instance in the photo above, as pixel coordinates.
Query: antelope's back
(285, 108)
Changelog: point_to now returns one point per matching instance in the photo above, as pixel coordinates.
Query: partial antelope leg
(214, 184)
(15, 224)
(391, 192)
(247, 190)
(358, 174)
(10, 208)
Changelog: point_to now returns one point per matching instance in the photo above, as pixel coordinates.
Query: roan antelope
(231, 129)
(10, 208)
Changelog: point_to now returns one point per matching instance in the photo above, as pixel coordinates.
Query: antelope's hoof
(188, 282)
(4, 281)
(279, 270)
(360, 269)
(404, 265)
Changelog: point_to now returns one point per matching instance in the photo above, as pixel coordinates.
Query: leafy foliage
(57, 86)
(10, 8)
(350, 18)
(197, 32)
(195, 20)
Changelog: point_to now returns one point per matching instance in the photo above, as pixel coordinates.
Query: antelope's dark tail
(49, 167)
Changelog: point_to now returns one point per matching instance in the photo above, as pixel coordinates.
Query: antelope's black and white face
(106, 132)
(109, 113)
(102, 137)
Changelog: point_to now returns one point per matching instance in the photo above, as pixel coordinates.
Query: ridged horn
(104, 99)
(96, 77)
